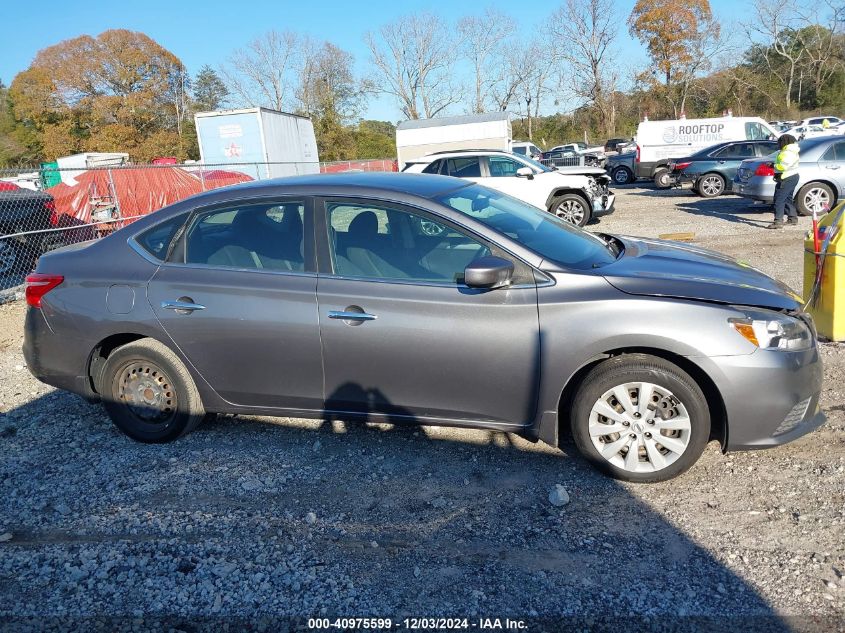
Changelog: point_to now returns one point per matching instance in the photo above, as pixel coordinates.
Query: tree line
(122, 91)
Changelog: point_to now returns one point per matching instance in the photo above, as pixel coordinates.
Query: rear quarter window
(156, 239)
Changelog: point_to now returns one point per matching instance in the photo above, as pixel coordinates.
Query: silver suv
(821, 172)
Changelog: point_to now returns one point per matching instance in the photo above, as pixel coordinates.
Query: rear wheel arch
(715, 403)
(103, 349)
(817, 181)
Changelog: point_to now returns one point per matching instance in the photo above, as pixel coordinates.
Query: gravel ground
(264, 517)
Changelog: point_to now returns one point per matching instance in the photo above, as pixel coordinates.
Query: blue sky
(207, 32)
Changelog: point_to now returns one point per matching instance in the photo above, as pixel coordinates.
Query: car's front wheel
(640, 418)
(622, 175)
(148, 392)
(572, 208)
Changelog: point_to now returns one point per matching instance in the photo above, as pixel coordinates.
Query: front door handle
(351, 316)
(181, 306)
(832, 166)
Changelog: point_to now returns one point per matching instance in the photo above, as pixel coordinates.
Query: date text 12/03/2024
(423, 623)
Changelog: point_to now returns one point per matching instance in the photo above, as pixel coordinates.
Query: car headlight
(774, 331)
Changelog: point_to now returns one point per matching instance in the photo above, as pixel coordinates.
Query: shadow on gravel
(730, 209)
(407, 522)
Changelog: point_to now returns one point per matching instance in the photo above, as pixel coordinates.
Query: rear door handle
(832, 166)
(181, 306)
(351, 316)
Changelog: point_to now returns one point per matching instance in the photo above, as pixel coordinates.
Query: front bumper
(770, 397)
(604, 204)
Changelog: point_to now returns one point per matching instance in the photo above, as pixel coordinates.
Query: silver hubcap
(816, 199)
(620, 176)
(640, 427)
(7, 257)
(711, 186)
(147, 391)
(571, 211)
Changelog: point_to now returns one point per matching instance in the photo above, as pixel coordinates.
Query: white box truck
(259, 142)
(415, 139)
(660, 141)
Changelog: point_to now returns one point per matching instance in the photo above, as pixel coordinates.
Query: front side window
(755, 132)
(501, 166)
(835, 153)
(521, 150)
(468, 167)
(541, 232)
(373, 241)
(266, 236)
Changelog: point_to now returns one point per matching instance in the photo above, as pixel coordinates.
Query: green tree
(210, 93)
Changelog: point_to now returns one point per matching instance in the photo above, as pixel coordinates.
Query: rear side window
(737, 150)
(463, 167)
(156, 240)
(835, 152)
(260, 236)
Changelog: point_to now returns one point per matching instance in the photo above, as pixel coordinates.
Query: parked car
(23, 211)
(581, 149)
(711, 171)
(801, 132)
(527, 148)
(612, 144)
(621, 168)
(821, 175)
(575, 194)
(819, 120)
(569, 158)
(323, 297)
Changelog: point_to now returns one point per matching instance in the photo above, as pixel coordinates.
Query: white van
(660, 141)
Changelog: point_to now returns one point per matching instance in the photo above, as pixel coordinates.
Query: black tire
(10, 257)
(175, 407)
(710, 185)
(662, 178)
(685, 395)
(576, 209)
(802, 202)
(622, 175)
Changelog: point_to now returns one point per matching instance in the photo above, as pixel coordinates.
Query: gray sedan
(430, 300)
(821, 172)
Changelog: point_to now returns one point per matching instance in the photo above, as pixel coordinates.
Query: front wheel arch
(558, 193)
(715, 403)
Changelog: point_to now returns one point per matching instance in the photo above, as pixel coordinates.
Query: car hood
(660, 268)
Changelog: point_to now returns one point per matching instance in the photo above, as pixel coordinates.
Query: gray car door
(401, 333)
(832, 165)
(238, 297)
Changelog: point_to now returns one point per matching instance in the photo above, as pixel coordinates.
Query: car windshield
(535, 164)
(542, 232)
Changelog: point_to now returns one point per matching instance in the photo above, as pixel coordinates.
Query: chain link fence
(46, 208)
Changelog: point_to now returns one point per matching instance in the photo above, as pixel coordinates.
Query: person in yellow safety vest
(786, 179)
(825, 124)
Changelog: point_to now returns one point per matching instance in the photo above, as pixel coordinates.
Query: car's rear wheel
(662, 178)
(814, 195)
(572, 208)
(710, 185)
(622, 175)
(148, 392)
(640, 418)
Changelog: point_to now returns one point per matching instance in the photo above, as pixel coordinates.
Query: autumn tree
(585, 31)
(104, 93)
(264, 72)
(413, 58)
(482, 38)
(209, 91)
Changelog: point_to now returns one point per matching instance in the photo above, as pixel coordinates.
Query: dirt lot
(252, 517)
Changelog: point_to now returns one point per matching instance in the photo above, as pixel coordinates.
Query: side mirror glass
(488, 272)
(525, 172)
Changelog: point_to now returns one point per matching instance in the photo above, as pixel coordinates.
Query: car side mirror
(525, 172)
(488, 272)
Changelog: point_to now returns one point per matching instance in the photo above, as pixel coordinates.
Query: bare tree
(584, 32)
(706, 47)
(482, 37)
(775, 22)
(412, 56)
(525, 81)
(262, 74)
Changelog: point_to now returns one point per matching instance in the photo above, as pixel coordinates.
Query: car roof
(456, 152)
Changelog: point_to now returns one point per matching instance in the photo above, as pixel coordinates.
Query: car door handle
(832, 166)
(181, 306)
(351, 316)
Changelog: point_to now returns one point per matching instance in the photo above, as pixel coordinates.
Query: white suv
(574, 194)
